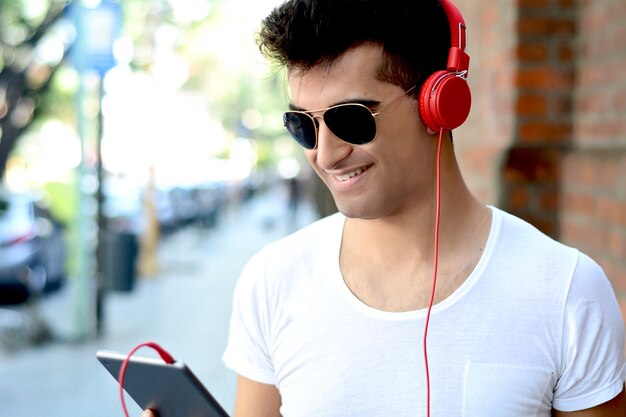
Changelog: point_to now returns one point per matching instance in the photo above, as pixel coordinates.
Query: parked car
(32, 249)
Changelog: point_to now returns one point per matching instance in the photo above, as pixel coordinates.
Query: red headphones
(445, 97)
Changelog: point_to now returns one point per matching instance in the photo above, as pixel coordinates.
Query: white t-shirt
(536, 325)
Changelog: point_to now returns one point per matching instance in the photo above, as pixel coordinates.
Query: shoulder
(591, 295)
(531, 245)
(521, 233)
(581, 302)
(318, 230)
(303, 251)
(304, 243)
(592, 358)
(520, 243)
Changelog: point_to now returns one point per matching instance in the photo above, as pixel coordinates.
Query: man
(335, 320)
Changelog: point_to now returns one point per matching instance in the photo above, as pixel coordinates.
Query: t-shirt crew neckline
(361, 307)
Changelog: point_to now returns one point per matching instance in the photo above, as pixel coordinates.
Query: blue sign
(97, 29)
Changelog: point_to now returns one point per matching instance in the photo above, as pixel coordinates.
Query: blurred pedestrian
(293, 199)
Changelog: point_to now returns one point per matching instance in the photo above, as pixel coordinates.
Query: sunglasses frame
(319, 113)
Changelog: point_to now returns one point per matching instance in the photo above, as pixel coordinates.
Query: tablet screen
(171, 389)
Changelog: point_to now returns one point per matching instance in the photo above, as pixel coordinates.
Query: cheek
(403, 121)
(408, 151)
(402, 140)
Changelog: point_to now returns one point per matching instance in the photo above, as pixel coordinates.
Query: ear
(430, 131)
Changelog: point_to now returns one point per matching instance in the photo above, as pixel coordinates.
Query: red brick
(603, 131)
(578, 203)
(563, 105)
(621, 216)
(532, 52)
(518, 198)
(593, 103)
(617, 98)
(532, 4)
(566, 53)
(548, 200)
(617, 243)
(489, 17)
(531, 104)
(609, 174)
(616, 274)
(544, 131)
(569, 231)
(531, 25)
(601, 72)
(532, 165)
(587, 172)
(544, 78)
(596, 236)
(610, 211)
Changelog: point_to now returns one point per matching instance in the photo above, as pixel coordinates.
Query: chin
(363, 212)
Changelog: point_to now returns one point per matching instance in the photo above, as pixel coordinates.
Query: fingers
(149, 413)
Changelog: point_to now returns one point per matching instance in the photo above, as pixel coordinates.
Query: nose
(330, 149)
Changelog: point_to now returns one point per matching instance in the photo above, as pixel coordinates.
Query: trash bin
(119, 260)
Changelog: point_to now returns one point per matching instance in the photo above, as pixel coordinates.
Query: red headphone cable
(162, 353)
(169, 359)
(435, 265)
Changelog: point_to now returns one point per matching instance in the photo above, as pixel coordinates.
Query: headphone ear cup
(445, 101)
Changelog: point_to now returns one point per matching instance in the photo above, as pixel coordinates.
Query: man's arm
(255, 399)
(613, 408)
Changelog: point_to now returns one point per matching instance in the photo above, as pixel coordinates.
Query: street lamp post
(97, 28)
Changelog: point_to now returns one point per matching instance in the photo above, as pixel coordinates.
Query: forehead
(352, 74)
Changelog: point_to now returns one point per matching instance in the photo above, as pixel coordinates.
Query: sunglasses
(353, 123)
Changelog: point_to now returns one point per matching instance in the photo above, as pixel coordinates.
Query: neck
(409, 234)
(388, 262)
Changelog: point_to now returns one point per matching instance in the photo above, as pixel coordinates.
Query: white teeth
(349, 175)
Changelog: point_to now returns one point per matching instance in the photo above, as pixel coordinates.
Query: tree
(34, 39)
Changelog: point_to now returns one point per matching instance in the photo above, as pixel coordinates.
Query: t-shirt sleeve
(592, 364)
(247, 352)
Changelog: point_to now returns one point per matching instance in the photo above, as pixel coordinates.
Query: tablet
(171, 389)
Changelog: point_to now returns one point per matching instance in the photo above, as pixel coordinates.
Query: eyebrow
(366, 103)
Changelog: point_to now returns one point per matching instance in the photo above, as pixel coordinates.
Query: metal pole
(102, 221)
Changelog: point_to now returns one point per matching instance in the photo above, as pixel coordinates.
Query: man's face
(387, 177)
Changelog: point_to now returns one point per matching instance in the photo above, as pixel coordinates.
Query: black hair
(414, 34)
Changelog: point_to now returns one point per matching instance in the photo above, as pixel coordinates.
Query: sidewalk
(185, 308)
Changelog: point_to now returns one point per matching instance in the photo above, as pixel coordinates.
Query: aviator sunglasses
(353, 123)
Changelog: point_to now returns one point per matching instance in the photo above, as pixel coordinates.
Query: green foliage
(216, 40)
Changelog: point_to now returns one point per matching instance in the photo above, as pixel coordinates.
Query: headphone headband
(458, 59)
(445, 97)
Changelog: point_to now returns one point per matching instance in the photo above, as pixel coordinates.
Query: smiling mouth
(346, 177)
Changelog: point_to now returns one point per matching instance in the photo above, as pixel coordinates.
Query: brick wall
(481, 141)
(546, 138)
(544, 86)
(594, 170)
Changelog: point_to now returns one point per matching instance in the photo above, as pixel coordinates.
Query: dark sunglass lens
(352, 123)
(301, 127)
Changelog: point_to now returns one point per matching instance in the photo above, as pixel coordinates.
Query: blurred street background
(185, 308)
(142, 162)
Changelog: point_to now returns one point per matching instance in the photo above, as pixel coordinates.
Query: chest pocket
(501, 390)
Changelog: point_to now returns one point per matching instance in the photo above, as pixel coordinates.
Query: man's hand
(149, 413)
